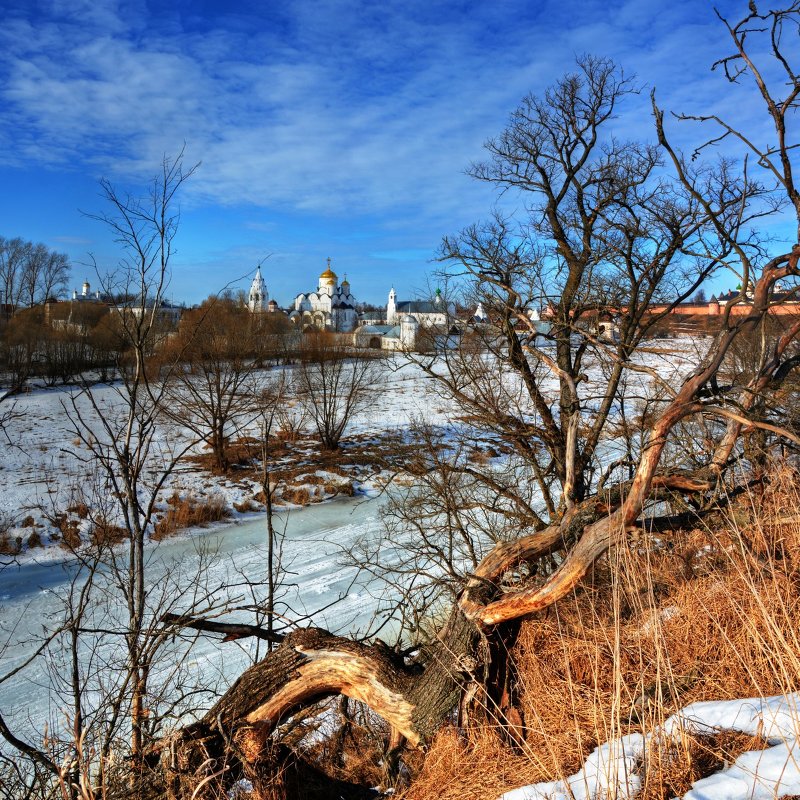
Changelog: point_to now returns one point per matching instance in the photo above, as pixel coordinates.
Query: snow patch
(612, 770)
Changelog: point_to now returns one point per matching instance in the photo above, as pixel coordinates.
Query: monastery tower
(258, 297)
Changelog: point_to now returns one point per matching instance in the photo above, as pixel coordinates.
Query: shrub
(297, 495)
(10, 546)
(105, 533)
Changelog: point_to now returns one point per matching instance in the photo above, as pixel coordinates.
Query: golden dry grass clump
(185, 511)
(711, 613)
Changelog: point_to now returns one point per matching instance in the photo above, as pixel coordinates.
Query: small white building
(403, 336)
(428, 313)
(331, 308)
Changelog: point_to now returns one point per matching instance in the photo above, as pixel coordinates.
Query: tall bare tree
(31, 273)
(608, 232)
(125, 445)
(132, 456)
(12, 258)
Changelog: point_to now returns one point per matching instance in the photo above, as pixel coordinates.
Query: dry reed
(187, 511)
(710, 613)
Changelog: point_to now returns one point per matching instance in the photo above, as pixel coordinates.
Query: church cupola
(328, 280)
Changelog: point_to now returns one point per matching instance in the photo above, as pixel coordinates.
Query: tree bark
(311, 665)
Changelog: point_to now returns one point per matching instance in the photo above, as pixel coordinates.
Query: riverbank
(52, 496)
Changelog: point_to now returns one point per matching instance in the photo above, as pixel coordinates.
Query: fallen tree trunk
(311, 665)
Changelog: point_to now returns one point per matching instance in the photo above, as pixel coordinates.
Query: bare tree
(212, 393)
(132, 459)
(606, 240)
(12, 257)
(606, 233)
(334, 382)
(125, 446)
(31, 273)
(44, 274)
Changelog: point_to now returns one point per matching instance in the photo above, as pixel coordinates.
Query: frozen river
(319, 585)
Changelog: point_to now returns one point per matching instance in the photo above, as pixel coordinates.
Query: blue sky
(324, 127)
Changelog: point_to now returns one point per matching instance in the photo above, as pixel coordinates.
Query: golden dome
(329, 274)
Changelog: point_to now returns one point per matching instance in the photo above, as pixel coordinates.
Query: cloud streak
(336, 108)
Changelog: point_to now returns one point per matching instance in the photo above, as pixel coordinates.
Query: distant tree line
(60, 341)
(30, 273)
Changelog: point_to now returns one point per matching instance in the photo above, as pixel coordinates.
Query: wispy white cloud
(329, 109)
(340, 107)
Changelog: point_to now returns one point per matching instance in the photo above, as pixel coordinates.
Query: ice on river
(319, 584)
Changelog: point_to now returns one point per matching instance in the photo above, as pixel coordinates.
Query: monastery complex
(333, 307)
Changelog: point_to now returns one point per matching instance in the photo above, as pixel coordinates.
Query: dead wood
(232, 630)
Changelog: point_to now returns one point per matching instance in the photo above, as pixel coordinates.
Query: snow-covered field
(44, 468)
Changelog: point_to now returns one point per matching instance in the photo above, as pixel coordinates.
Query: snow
(317, 585)
(44, 470)
(614, 768)
(608, 772)
(42, 475)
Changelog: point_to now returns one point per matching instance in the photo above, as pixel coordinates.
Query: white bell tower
(258, 297)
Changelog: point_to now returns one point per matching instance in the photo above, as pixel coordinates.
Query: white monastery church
(258, 297)
(332, 307)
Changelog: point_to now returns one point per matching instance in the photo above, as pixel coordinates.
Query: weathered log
(311, 665)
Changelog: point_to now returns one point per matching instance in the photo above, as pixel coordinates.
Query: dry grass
(248, 505)
(105, 533)
(70, 531)
(706, 614)
(300, 461)
(10, 546)
(188, 510)
(34, 541)
(79, 509)
(472, 768)
(670, 767)
(297, 495)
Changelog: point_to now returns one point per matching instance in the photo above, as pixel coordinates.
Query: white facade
(258, 297)
(428, 313)
(332, 307)
(402, 336)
